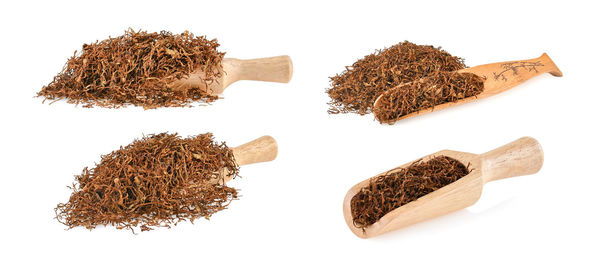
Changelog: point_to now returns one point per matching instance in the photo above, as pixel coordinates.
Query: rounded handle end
(262, 149)
(523, 156)
(274, 69)
(289, 71)
(553, 69)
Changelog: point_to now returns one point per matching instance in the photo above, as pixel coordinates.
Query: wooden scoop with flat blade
(521, 157)
(263, 149)
(274, 69)
(498, 77)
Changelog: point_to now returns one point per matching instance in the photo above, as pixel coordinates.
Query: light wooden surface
(521, 157)
(499, 77)
(263, 149)
(274, 69)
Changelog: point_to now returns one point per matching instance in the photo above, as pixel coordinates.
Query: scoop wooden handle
(502, 76)
(521, 157)
(262, 149)
(274, 69)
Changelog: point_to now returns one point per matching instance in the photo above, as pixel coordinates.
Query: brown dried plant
(438, 88)
(398, 187)
(356, 88)
(156, 181)
(136, 68)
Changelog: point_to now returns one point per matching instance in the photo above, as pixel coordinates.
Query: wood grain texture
(263, 149)
(274, 69)
(499, 77)
(521, 157)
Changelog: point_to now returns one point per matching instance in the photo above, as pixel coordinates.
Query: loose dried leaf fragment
(156, 181)
(136, 68)
(399, 187)
(356, 88)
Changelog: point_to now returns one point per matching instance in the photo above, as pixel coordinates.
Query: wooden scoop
(521, 157)
(499, 77)
(273, 69)
(263, 149)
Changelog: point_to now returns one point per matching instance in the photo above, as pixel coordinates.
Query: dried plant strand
(356, 88)
(136, 68)
(398, 187)
(156, 181)
(438, 88)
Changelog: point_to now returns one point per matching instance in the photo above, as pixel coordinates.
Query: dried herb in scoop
(356, 88)
(438, 88)
(155, 181)
(401, 186)
(136, 68)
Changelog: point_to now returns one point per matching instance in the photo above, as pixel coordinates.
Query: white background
(292, 207)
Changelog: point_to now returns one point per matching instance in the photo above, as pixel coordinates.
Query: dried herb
(136, 68)
(156, 181)
(401, 186)
(438, 88)
(356, 88)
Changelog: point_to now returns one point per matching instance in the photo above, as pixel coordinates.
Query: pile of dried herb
(136, 68)
(156, 181)
(399, 187)
(355, 89)
(438, 88)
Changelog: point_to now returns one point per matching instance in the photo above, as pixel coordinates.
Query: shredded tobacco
(438, 88)
(156, 181)
(136, 68)
(356, 88)
(401, 186)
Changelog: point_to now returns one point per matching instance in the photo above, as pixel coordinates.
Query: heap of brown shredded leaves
(438, 88)
(153, 182)
(355, 89)
(401, 186)
(136, 68)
